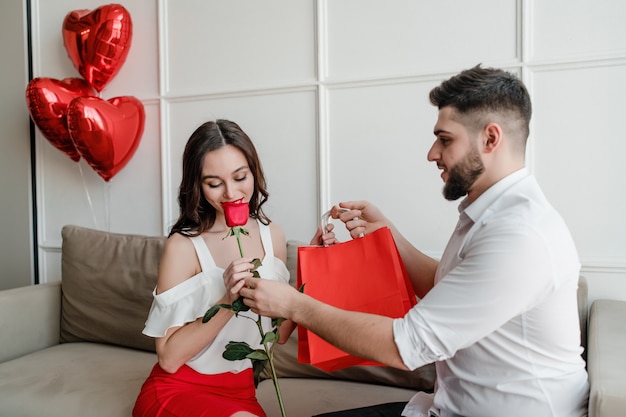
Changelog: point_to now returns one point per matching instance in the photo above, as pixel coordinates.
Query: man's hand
(360, 217)
(269, 298)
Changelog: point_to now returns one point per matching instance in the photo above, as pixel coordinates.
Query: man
(498, 313)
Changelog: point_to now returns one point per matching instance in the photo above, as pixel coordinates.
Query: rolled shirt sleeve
(493, 280)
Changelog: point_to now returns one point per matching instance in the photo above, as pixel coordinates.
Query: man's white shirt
(501, 322)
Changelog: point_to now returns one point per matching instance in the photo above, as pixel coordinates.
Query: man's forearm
(364, 335)
(420, 267)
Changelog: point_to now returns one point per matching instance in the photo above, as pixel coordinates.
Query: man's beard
(463, 175)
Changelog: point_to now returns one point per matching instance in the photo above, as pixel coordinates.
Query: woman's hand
(285, 329)
(325, 239)
(234, 276)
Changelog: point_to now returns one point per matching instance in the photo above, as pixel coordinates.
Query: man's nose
(433, 153)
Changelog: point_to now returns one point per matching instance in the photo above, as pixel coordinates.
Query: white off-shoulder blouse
(191, 298)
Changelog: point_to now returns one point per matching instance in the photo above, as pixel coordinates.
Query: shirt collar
(481, 204)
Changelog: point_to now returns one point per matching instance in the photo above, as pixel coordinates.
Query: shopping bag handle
(326, 218)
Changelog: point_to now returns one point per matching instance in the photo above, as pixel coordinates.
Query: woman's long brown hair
(196, 214)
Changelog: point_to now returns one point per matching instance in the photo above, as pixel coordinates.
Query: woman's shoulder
(178, 245)
(179, 262)
(177, 238)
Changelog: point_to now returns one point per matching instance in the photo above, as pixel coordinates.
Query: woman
(200, 268)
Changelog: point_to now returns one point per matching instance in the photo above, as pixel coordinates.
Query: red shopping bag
(364, 274)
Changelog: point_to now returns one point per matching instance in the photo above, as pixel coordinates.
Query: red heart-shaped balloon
(97, 42)
(106, 133)
(47, 100)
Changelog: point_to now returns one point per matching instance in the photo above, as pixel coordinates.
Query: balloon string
(107, 205)
(93, 214)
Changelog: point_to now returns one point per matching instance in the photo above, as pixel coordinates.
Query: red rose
(236, 212)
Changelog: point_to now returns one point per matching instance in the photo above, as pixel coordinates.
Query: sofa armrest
(605, 359)
(30, 319)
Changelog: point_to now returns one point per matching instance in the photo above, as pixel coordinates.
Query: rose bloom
(236, 212)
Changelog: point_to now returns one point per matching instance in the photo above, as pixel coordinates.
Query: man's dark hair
(482, 91)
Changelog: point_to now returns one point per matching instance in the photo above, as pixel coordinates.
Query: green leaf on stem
(269, 337)
(236, 231)
(236, 351)
(257, 355)
(239, 306)
(258, 367)
(278, 321)
(213, 311)
(257, 263)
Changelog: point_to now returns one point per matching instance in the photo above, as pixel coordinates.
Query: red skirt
(190, 393)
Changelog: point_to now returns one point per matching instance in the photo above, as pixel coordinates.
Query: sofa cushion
(307, 397)
(74, 379)
(292, 259)
(107, 282)
(287, 365)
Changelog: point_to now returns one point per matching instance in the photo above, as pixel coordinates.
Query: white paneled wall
(335, 96)
(237, 45)
(376, 38)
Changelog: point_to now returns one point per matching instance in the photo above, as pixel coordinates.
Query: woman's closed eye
(220, 183)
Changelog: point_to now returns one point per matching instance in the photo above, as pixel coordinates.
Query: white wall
(16, 245)
(334, 94)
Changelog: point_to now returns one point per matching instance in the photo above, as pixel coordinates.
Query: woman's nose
(228, 191)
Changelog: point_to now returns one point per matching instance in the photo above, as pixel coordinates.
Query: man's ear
(492, 137)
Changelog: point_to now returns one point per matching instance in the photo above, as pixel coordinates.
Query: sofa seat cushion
(74, 379)
(288, 366)
(304, 397)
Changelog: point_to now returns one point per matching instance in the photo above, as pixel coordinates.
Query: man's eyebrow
(439, 131)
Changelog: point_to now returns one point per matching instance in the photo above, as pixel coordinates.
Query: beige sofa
(75, 348)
